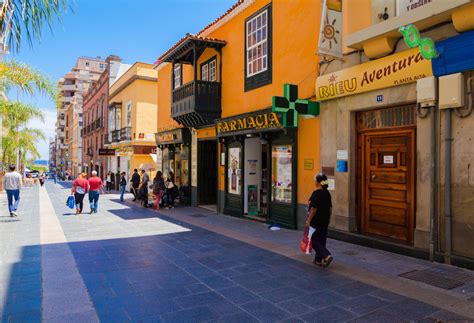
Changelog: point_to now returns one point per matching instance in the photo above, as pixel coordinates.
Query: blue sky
(138, 30)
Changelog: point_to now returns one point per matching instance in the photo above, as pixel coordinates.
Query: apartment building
(94, 130)
(132, 120)
(72, 87)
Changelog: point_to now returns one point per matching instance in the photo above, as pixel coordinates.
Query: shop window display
(234, 175)
(281, 173)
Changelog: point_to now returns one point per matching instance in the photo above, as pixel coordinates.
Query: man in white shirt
(12, 184)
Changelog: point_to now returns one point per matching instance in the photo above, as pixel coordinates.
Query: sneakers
(13, 213)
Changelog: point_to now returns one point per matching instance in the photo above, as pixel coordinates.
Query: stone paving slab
(179, 272)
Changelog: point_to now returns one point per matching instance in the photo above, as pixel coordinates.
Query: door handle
(374, 176)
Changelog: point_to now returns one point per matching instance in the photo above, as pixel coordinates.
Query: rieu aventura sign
(260, 120)
(397, 69)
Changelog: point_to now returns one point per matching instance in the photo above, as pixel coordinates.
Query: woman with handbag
(80, 186)
(319, 217)
(158, 189)
(170, 190)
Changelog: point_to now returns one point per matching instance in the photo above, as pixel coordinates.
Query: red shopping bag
(305, 244)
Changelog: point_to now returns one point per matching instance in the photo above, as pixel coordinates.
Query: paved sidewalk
(127, 263)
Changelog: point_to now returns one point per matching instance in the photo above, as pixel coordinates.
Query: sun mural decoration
(329, 31)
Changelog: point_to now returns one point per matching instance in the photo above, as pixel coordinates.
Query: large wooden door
(388, 166)
(207, 173)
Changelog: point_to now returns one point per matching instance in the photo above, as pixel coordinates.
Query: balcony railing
(92, 125)
(196, 103)
(126, 133)
(98, 123)
(115, 135)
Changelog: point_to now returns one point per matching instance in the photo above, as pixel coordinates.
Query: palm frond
(26, 18)
(27, 79)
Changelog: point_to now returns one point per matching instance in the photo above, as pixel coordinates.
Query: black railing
(115, 135)
(98, 123)
(108, 139)
(201, 98)
(126, 133)
(92, 126)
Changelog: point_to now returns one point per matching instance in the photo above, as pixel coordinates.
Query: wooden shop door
(387, 196)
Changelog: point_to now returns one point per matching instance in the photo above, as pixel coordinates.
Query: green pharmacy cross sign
(291, 106)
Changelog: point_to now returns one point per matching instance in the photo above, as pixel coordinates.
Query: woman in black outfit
(318, 218)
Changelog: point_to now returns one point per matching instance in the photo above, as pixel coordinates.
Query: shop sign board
(290, 106)
(106, 152)
(250, 122)
(169, 137)
(397, 69)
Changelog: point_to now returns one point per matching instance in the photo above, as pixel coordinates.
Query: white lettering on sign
(342, 155)
(404, 6)
(388, 159)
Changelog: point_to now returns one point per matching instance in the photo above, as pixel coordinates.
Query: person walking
(55, 177)
(12, 184)
(108, 182)
(135, 183)
(95, 187)
(144, 188)
(158, 188)
(80, 186)
(42, 178)
(123, 185)
(320, 209)
(170, 190)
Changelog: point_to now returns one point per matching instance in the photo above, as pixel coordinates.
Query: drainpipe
(433, 224)
(447, 187)
(423, 113)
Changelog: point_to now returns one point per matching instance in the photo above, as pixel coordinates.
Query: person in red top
(80, 186)
(95, 187)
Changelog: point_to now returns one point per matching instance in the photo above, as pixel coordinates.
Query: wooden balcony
(197, 103)
(115, 135)
(126, 133)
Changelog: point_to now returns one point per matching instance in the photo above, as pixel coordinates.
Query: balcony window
(177, 76)
(258, 49)
(209, 70)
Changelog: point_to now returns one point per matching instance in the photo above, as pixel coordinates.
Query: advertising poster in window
(234, 171)
(252, 199)
(281, 173)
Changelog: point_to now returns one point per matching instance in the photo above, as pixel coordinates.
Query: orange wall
(164, 99)
(308, 148)
(356, 15)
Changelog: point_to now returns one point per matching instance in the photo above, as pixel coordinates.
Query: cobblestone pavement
(127, 263)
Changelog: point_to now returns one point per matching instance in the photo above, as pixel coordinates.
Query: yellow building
(132, 119)
(228, 141)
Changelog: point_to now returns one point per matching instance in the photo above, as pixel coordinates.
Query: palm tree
(24, 78)
(26, 18)
(17, 139)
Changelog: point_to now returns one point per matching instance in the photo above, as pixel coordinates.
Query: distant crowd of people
(164, 190)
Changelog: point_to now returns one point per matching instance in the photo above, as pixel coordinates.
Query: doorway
(207, 174)
(386, 161)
